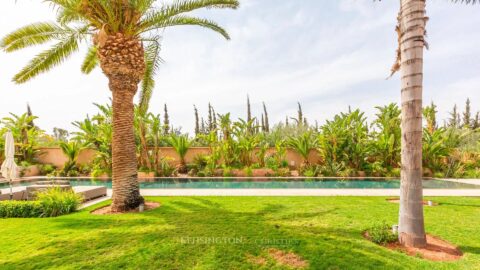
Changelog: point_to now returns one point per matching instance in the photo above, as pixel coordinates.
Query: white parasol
(9, 168)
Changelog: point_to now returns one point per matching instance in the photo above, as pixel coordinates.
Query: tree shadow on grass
(470, 249)
(188, 233)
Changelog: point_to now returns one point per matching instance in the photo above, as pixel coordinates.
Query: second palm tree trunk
(411, 30)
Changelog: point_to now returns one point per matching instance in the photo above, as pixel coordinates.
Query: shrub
(55, 202)
(381, 233)
(166, 169)
(20, 209)
(227, 172)
(47, 169)
(248, 171)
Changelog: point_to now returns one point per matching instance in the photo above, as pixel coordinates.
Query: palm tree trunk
(411, 31)
(126, 192)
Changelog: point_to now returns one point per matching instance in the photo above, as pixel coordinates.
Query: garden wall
(55, 156)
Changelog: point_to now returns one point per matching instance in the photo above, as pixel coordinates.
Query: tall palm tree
(411, 30)
(123, 38)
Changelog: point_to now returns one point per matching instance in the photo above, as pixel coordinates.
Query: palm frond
(153, 18)
(47, 59)
(33, 34)
(90, 61)
(467, 1)
(186, 20)
(152, 62)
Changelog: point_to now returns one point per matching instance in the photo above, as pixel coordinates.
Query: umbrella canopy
(9, 168)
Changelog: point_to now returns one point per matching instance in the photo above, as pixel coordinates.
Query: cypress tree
(453, 121)
(300, 115)
(476, 121)
(263, 124)
(214, 114)
(29, 113)
(249, 112)
(197, 124)
(210, 118)
(266, 124)
(203, 128)
(305, 123)
(467, 115)
(166, 121)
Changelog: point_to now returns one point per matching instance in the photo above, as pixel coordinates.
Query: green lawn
(325, 231)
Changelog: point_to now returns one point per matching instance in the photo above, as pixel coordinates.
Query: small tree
(71, 150)
(181, 144)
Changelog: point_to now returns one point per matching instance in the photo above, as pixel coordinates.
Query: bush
(51, 203)
(248, 171)
(381, 233)
(166, 169)
(227, 172)
(55, 202)
(20, 209)
(47, 169)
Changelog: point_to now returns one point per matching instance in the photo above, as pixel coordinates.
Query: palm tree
(303, 144)
(181, 144)
(411, 30)
(71, 150)
(123, 38)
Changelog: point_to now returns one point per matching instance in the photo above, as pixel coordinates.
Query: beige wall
(55, 156)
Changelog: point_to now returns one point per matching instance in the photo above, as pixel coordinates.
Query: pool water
(259, 183)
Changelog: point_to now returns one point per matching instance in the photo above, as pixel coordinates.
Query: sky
(326, 55)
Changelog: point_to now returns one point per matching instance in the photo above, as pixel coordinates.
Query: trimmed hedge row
(20, 209)
(51, 203)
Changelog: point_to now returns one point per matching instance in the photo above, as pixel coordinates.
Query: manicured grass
(325, 231)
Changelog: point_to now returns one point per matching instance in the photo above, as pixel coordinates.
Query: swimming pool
(264, 183)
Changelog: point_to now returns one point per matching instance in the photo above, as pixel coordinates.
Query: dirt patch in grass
(107, 210)
(279, 257)
(397, 200)
(258, 260)
(287, 258)
(436, 249)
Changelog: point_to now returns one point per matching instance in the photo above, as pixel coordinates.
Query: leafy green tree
(387, 136)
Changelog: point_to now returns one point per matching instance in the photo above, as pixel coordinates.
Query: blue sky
(325, 54)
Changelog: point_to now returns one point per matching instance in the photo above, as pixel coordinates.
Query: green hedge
(51, 203)
(22, 209)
